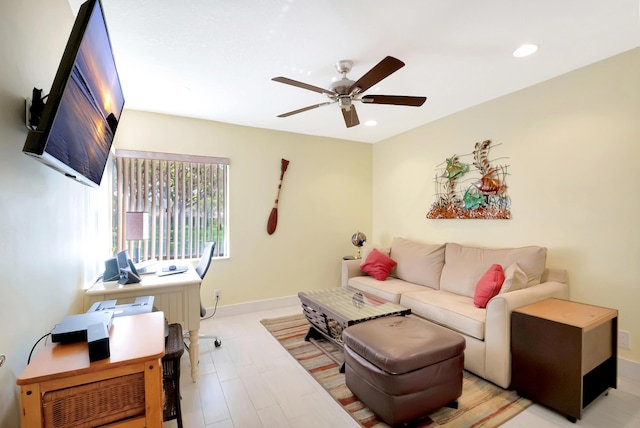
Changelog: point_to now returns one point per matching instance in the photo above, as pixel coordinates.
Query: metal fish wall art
(484, 195)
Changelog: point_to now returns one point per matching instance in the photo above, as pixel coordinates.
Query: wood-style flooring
(251, 381)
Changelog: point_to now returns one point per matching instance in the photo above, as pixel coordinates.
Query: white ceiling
(214, 59)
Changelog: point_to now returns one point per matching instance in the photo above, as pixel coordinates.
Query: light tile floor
(251, 381)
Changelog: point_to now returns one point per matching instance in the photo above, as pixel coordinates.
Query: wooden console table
(178, 296)
(564, 354)
(61, 388)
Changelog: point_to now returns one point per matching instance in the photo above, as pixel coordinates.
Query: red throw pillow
(378, 265)
(488, 286)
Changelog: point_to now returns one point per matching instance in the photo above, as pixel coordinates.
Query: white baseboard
(626, 368)
(255, 306)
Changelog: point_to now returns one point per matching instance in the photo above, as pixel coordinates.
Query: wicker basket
(95, 404)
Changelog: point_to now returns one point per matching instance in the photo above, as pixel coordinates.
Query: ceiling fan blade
(394, 99)
(383, 69)
(350, 116)
(302, 85)
(300, 110)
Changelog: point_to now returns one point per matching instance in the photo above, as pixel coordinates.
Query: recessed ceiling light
(525, 50)
(370, 123)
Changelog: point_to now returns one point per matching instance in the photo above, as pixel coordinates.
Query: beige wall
(573, 149)
(54, 232)
(325, 198)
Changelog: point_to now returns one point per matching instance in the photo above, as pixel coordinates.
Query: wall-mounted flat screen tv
(77, 126)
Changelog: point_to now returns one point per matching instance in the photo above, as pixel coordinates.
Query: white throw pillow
(514, 279)
(367, 248)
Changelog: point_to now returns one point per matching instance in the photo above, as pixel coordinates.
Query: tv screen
(77, 126)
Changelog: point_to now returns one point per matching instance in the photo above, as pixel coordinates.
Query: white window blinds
(185, 196)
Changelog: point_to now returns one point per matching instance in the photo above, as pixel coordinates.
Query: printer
(141, 305)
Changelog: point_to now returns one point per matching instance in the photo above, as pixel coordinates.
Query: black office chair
(201, 269)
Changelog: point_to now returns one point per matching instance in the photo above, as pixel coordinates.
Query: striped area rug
(482, 403)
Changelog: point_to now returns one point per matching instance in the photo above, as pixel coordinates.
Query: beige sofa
(438, 283)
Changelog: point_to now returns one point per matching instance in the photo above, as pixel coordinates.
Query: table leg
(154, 397)
(194, 352)
(30, 401)
(312, 334)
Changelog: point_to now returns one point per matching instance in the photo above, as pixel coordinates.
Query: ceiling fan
(346, 91)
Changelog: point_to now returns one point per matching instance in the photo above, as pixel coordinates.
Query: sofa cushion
(447, 309)
(488, 286)
(389, 290)
(465, 265)
(378, 265)
(514, 279)
(418, 263)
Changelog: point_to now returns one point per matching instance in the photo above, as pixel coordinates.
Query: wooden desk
(177, 295)
(564, 354)
(60, 387)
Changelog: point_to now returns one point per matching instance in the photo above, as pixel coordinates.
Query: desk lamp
(137, 229)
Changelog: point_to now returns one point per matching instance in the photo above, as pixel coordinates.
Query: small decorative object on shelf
(358, 239)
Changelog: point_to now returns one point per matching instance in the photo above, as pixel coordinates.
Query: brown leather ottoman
(403, 367)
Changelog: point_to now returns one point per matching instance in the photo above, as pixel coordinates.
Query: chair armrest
(497, 333)
(351, 268)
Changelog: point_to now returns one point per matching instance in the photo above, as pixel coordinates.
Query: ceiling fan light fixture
(344, 66)
(344, 102)
(341, 86)
(345, 91)
(370, 123)
(525, 50)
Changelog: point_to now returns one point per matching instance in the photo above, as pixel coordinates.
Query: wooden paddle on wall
(273, 217)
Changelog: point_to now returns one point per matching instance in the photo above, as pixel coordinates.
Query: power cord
(215, 308)
(34, 347)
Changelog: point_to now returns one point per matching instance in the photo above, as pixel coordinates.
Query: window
(185, 196)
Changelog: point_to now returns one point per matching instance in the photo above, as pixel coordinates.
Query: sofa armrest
(351, 268)
(557, 275)
(498, 325)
